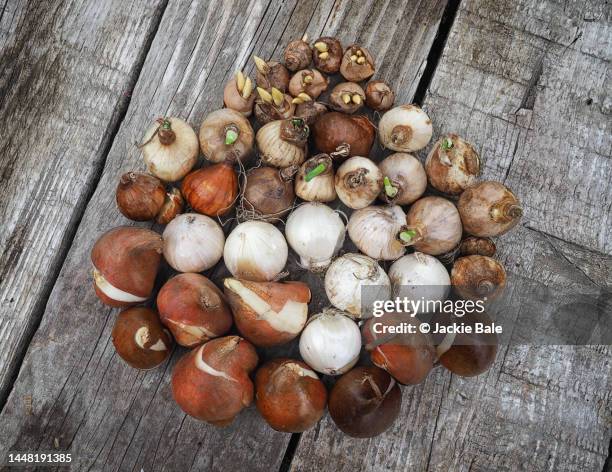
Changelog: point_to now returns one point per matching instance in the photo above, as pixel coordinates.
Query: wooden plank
(82, 395)
(513, 82)
(67, 68)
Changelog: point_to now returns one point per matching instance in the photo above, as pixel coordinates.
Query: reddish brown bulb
(357, 64)
(478, 277)
(379, 95)
(327, 54)
(308, 81)
(271, 74)
(473, 246)
(334, 130)
(268, 193)
(173, 206)
(212, 190)
(140, 196)
(298, 55)
(347, 97)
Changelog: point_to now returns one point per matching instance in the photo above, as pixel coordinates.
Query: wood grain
(67, 69)
(83, 397)
(513, 82)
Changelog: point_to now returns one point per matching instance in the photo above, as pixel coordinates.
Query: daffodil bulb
(170, 149)
(353, 279)
(256, 251)
(330, 343)
(193, 242)
(405, 128)
(375, 231)
(420, 277)
(316, 233)
(358, 182)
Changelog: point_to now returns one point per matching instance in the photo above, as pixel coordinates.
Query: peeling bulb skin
(290, 396)
(125, 262)
(473, 246)
(193, 309)
(477, 277)
(334, 130)
(282, 143)
(327, 54)
(268, 313)
(211, 382)
(173, 206)
(408, 357)
(452, 165)
(357, 64)
(310, 111)
(140, 339)
(266, 110)
(489, 209)
(405, 128)
(365, 402)
(215, 130)
(271, 74)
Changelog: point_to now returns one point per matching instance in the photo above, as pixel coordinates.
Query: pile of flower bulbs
(299, 153)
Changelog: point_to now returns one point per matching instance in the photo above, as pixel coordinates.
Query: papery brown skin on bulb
(211, 382)
(173, 206)
(365, 402)
(452, 165)
(127, 258)
(333, 130)
(357, 64)
(476, 277)
(347, 97)
(408, 357)
(266, 112)
(274, 75)
(268, 192)
(470, 354)
(437, 224)
(140, 339)
(285, 315)
(330, 62)
(298, 55)
(310, 111)
(193, 309)
(140, 196)
(212, 190)
(473, 246)
(309, 81)
(379, 95)
(289, 395)
(489, 209)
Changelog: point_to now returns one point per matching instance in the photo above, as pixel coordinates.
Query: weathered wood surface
(67, 69)
(83, 397)
(528, 83)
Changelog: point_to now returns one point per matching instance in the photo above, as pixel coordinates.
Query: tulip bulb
(405, 128)
(256, 251)
(125, 264)
(345, 281)
(375, 229)
(170, 149)
(140, 197)
(316, 233)
(193, 242)
(330, 343)
(211, 383)
(268, 313)
(193, 309)
(335, 130)
(212, 190)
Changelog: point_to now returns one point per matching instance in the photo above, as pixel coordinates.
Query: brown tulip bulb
(308, 81)
(211, 383)
(125, 263)
(357, 64)
(477, 277)
(273, 106)
(408, 357)
(298, 54)
(140, 196)
(379, 95)
(193, 309)
(489, 209)
(452, 165)
(335, 130)
(310, 111)
(173, 206)
(212, 190)
(271, 74)
(473, 246)
(365, 402)
(289, 395)
(268, 193)
(239, 94)
(140, 338)
(327, 54)
(268, 313)
(347, 97)
(469, 354)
